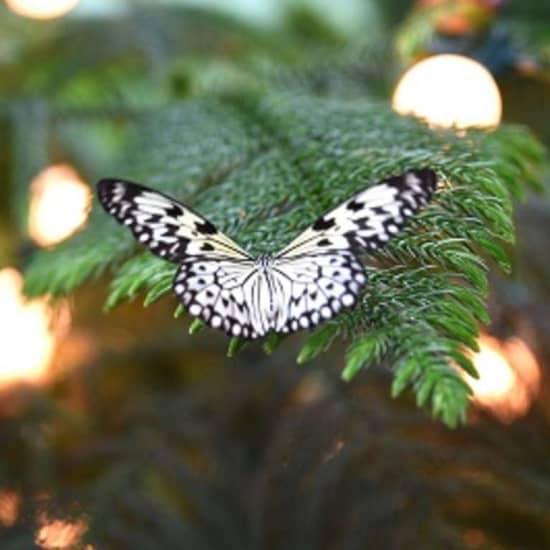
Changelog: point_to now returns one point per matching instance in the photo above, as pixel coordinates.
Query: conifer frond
(263, 168)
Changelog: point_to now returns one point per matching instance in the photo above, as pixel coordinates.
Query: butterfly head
(264, 262)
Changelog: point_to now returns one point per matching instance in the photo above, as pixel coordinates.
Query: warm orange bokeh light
(58, 534)
(9, 508)
(449, 91)
(509, 377)
(29, 332)
(41, 9)
(457, 17)
(59, 204)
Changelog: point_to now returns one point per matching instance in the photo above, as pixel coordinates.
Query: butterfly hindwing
(166, 227)
(243, 300)
(217, 291)
(315, 288)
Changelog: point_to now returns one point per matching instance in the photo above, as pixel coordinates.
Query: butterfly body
(310, 281)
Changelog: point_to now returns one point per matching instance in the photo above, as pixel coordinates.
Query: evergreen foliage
(262, 132)
(263, 166)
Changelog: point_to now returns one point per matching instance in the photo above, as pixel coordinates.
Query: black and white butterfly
(311, 280)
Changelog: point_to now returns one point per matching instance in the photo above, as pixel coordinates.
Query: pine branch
(263, 167)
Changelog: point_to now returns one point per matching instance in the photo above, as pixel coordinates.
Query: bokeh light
(41, 9)
(509, 377)
(55, 534)
(29, 331)
(449, 91)
(59, 204)
(10, 503)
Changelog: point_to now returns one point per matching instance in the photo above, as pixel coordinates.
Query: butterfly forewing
(368, 220)
(166, 227)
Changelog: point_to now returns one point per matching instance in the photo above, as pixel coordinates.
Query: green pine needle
(264, 167)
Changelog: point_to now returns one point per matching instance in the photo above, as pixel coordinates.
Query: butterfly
(309, 281)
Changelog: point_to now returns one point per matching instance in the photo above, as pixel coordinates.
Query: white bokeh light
(509, 377)
(59, 203)
(30, 330)
(449, 91)
(41, 9)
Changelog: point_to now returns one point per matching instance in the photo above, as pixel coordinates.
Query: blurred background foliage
(129, 433)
